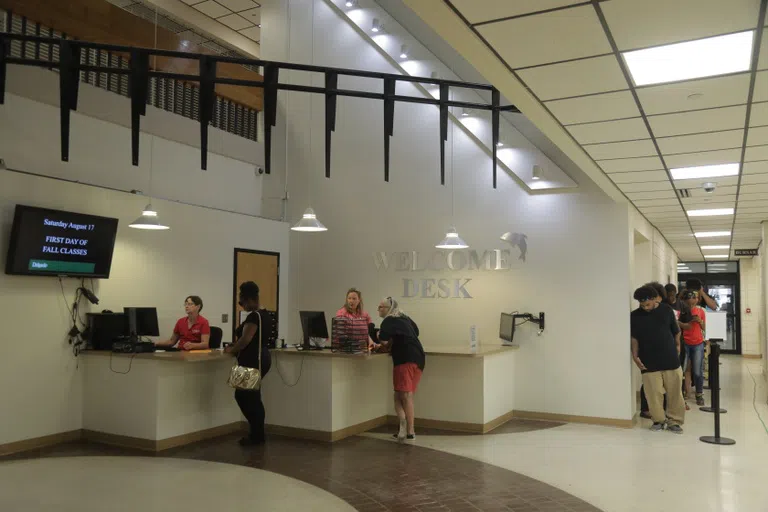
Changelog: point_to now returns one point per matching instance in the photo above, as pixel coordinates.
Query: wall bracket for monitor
(528, 317)
(140, 72)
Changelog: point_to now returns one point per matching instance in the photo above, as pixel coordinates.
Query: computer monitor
(141, 322)
(314, 327)
(350, 335)
(507, 327)
(104, 329)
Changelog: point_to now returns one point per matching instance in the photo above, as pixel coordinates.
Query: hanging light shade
(309, 222)
(148, 220)
(452, 240)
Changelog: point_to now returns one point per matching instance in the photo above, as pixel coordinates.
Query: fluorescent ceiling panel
(714, 247)
(715, 256)
(693, 59)
(712, 234)
(705, 171)
(712, 212)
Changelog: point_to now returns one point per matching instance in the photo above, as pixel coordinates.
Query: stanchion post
(714, 372)
(714, 376)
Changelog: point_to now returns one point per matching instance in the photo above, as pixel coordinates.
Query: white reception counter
(166, 399)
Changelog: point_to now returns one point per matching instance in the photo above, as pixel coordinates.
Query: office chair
(215, 339)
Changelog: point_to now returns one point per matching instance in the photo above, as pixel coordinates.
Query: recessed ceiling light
(705, 171)
(537, 173)
(499, 144)
(404, 51)
(695, 96)
(713, 247)
(712, 212)
(350, 3)
(711, 234)
(715, 256)
(376, 26)
(712, 56)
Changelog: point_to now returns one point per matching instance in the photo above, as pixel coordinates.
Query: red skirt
(406, 377)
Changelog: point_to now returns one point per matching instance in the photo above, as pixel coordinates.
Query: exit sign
(745, 252)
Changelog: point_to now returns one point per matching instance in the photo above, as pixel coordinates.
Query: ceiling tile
(235, 22)
(755, 168)
(637, 24)
(704, 158)
(645, 187)
(748, 196)
(639, 177)
(613, 150)
(761, 85)
(717, 119)
(716, 92)
(238, 5)
(609, 131)
(651, 163)
(655, 202)
(701, 142)
(756, 153)
(212, 9)
(477, 12)
(658, 194)
(661, 209)
(528, 41)
(759, 115)
(253, 33)
(588, 76)
(601, 107)
(757, 136)
(253, 15)
(754, 179)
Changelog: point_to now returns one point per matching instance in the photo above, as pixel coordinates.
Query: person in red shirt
(693, 323)
(191, 332)
(353, 308)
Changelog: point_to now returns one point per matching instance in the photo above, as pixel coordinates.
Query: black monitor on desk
(313, 326)
(141, 322)
(104, 329)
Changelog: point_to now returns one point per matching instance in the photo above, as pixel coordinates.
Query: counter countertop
(448, 350)
(193, 356)
(202, 356)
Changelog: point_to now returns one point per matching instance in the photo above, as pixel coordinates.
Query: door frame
(713, 279)
(236, 251)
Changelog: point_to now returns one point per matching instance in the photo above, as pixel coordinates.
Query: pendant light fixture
(309, 222)
(452, 239)
(148, 218)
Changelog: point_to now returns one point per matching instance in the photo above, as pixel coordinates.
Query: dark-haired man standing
(655, 351)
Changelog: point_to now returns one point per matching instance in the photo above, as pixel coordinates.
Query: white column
(764, 312)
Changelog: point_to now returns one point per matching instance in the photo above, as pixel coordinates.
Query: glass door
(721, 282)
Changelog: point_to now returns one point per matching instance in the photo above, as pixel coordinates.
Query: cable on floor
(754, 400)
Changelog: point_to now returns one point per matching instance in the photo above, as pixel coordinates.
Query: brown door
(263, 268)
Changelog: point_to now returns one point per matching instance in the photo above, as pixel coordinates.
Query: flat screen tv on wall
(48, 242)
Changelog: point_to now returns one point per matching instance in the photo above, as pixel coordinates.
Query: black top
(678, 305)
(655, 332)
(249, 356)
(404, 335)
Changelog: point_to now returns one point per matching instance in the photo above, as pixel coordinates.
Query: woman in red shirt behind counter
(353, 308)
(191, 332)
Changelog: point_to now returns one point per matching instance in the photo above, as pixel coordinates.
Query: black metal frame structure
(139, 74)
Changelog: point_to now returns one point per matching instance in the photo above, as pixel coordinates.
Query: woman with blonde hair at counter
(399, 335)
(353, 308)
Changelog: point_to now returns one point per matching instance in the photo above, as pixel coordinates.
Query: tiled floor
(373, 475)
(634, 470)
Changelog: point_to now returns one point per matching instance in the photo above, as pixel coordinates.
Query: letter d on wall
(410, 288)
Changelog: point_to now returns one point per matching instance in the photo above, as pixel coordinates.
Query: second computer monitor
(507, 327)
(142, 322)
(313, 326)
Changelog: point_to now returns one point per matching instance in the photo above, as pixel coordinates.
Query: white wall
(149, 268)
(100, 153)
(751, 270)
(578, 262)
